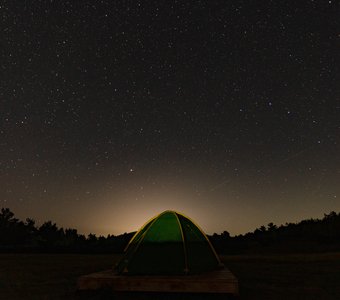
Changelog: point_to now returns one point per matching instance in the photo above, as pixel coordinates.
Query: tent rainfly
(169, 244)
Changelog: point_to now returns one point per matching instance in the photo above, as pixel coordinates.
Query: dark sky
(113, 111)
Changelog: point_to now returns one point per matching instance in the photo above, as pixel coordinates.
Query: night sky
(113, 111)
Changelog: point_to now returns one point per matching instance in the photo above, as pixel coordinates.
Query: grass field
(307, 276)
(53, 276)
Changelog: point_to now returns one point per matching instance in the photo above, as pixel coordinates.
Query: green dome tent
(170, 243)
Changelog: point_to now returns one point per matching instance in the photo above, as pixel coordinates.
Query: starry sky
(113, 111)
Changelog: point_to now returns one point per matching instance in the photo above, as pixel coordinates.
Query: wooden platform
(221, 281)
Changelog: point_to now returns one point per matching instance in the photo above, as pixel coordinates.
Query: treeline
(313, 235)
(19, 236)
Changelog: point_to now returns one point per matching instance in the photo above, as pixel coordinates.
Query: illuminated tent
(170, 243)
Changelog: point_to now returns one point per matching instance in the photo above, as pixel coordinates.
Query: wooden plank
(221, 281)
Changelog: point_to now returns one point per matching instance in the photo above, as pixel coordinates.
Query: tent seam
(186, 270)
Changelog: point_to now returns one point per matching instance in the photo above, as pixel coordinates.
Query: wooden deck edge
(222, 281)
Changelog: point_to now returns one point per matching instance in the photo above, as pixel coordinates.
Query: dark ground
(53, 276)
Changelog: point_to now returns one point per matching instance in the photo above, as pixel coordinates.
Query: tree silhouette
(307, 235)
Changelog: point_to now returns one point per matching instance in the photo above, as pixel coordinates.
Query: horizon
(38, 223)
